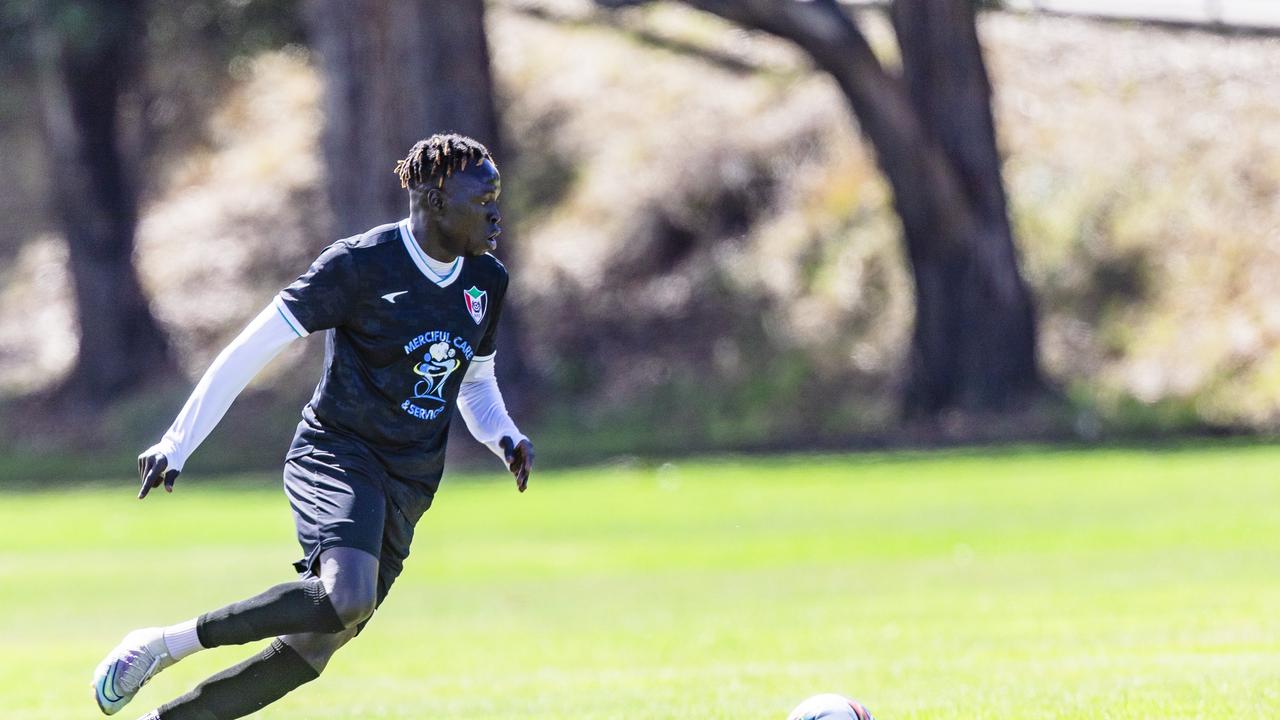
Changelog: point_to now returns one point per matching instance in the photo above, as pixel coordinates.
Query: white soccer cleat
(128, 667)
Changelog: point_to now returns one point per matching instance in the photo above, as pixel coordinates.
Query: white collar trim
(442, 274)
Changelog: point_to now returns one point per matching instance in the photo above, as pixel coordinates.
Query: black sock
(244, 688)
(296, 607)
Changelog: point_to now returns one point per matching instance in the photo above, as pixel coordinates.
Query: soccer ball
(830, 706)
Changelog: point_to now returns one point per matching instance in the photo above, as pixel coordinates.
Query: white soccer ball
(830, 706)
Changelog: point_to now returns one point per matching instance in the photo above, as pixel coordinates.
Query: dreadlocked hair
(432, 160)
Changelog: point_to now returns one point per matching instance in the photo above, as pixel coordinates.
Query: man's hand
(153, 468)
(519, 460)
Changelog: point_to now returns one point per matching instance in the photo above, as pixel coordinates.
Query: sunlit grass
(1104, 584)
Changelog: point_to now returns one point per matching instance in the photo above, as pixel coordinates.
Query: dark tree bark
(974, 340)
(396, 72)
(976, 324)
(88, 59)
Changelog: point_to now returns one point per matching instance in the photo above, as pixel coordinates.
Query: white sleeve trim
(287, 315)
(482, 408)
(260, 341)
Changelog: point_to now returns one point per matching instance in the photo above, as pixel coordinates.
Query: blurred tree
(87, 60)
(200, 41)
(974, 342)
(396, 72)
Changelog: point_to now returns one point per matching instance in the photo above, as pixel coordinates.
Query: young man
(411, 311)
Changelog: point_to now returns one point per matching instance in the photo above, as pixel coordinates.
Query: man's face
(468, 217)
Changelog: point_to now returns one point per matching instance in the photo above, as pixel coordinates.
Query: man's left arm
(485, 413)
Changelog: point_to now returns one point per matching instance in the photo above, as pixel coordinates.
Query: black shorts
(345, 499)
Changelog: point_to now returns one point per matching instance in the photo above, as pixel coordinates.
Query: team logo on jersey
(435, 369)
(477, 302)
(444, 355)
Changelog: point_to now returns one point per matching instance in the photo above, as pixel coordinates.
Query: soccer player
(411, 309)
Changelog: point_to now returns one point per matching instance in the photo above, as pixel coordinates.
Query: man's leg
(341, 597)
(344, 595)
(349, 577)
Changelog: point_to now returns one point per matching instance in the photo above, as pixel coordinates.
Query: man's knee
(318, 648)
(350, 577)
(354, 604)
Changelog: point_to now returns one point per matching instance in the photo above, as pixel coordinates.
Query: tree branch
(722, 60)
(956, 265)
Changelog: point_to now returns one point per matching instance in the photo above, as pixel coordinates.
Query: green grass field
(1024, 584)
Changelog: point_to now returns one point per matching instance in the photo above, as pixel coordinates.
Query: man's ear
(434, 198)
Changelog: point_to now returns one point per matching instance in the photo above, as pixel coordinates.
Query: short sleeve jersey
(399, 340)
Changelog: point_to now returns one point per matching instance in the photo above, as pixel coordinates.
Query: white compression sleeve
(260, 341)
(482, 408)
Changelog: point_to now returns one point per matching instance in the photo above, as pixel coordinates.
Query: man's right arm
(263, 339)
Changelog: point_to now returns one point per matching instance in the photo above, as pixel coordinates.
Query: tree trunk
(975, 334)
(85, 69)
(395, 73)
(974, 342)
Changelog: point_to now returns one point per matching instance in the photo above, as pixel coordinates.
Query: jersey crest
(477, 302)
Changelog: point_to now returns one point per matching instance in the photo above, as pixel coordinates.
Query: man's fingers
(155, 466)
(146, 485)
(523, 465)
(169, 479)
(519, 459)
(145, 470)
(526, 467)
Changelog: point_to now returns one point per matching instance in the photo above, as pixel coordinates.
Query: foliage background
(706, 254)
